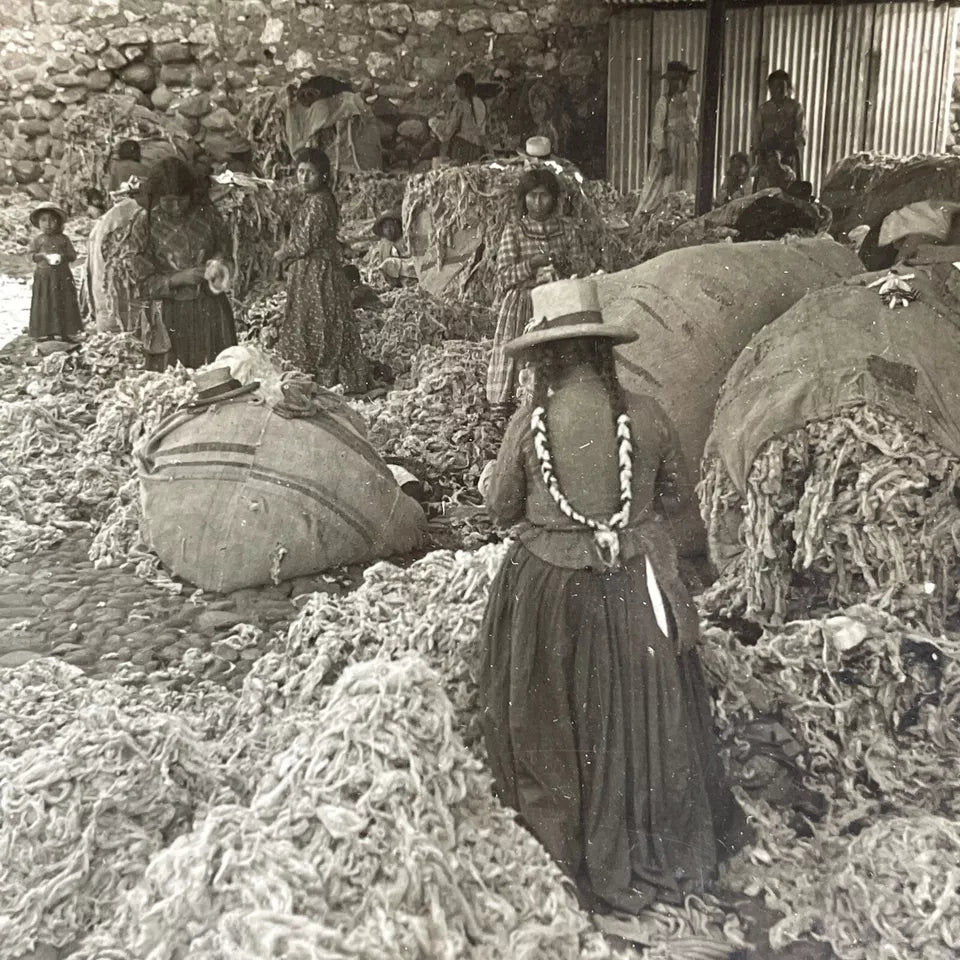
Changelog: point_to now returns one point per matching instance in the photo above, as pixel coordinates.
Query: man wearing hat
(595, 713)
(674, 136)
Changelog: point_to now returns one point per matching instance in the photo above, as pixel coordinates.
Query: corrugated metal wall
(846, 116)
(911, 40)
(628, 83)
(872, 76)
(741, 83)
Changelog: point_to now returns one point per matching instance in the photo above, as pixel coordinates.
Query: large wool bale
(830, 471)
(235, 495)
(695, 311)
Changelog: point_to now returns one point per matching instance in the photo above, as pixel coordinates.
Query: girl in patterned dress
(54, 309)
(318, 335)
(539, 246)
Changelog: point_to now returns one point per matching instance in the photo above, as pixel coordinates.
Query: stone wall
(200, 58)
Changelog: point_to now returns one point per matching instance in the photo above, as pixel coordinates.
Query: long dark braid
(556, 357)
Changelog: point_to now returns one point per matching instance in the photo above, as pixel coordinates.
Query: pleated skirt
(599, 733)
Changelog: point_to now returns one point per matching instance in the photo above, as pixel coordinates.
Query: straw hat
(677, 68)
(47, 208)
(215, 382)
(564, 310)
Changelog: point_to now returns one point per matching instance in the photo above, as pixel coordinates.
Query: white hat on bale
(564, 310)
(539, 147)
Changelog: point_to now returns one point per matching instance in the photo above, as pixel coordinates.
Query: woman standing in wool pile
(158, 266)
(540, 245)
(595, 710)
(319, 335)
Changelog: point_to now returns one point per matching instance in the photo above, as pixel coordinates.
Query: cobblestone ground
(56, 603)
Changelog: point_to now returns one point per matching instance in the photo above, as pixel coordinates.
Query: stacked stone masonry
(199, 58)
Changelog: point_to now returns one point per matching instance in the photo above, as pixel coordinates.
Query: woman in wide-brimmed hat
(675, 137)
(595, 712)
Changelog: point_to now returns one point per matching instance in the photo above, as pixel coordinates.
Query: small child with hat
(54, 308)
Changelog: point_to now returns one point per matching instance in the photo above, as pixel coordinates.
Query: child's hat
(46, 208)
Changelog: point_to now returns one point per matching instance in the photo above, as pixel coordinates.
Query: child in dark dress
(54, 309)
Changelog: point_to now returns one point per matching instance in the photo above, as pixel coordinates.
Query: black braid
(554, 358)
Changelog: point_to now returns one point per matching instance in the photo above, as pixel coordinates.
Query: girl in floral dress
(539, 246)
(318, 335)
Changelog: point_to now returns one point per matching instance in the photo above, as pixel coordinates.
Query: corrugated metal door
(911, 60)
(798, 39)
(628, 108)
(845, 130)
(741, 83)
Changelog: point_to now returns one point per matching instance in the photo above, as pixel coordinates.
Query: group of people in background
(776, 159)
(160, 266)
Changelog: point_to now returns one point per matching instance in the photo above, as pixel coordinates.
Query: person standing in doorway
(675, 138)
(779, 126)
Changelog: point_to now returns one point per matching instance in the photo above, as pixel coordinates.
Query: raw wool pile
(411, 318)
(65, 442)
(871, 701)
(92, 131)
(374, 834)
(260, 316)
(483, 197)
(257, 217)
(261, 122)
(859, 507)
(93, 782)
(366, 195)
(433, 608)
(874, 705)
(441, 429)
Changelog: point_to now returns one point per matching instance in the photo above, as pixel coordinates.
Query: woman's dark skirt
(54, 308)
(198, 329)
(600, 734)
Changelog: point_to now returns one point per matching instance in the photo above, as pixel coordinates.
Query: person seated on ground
(391, 255)
(735, 182)
(362, 296)
(126, 164)
(774, 173)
